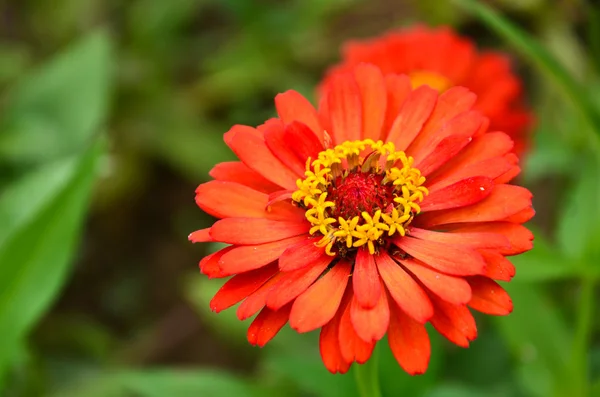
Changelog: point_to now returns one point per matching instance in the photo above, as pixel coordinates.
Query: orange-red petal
(292, 106)
(329, 346)
(200, 236)
(352, 347)
(462, 193)
(405, 291)
(446, 258)
(371, 324)
(489, 297)
(476, 239)
(409, 342)
(236, 171)
(255, 230)
(374, 97)
(365, 279)
(317, 305)
(344, 108)
(414, 113)
(301, 254)
(267, 324)
(454, 322)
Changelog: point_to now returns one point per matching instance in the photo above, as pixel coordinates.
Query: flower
(386, 208)
(442, 59)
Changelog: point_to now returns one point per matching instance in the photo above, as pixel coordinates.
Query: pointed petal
(365, 279)
(238, 172)
(497, 266)
(446, 258)
(292, 106)
(371, 324)
(489, 297)
(374, 97)
(318, 304)
(267, 324)
(240, 286)
(466, 192)
(405, 291)
(519, 237)
(344, 108)
(454, 322)
(301, 254)
(200, 236)
(296, 282)
(249, 257)
(256, 300)
(451, 289)
(409, 342)
(505, 200)
(329, 347)
(209, 265)
(412, 116)
(255, 230)
(352, 347)
(250, 147)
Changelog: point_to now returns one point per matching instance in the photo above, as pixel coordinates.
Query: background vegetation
(113, 111)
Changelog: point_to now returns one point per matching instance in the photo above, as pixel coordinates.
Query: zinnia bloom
(386, 208)
(442, 59)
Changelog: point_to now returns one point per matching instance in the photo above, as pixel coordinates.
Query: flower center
(358, 193)
(432, 79)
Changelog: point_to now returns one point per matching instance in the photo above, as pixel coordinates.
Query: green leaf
(538, 337)
(579, 225)
(166, 382)
(531, 50)
(56, 109)
(36, 255)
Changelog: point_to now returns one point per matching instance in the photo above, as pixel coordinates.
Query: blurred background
(112, 112)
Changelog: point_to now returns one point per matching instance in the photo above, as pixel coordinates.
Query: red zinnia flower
(386, 208)
(442, 59)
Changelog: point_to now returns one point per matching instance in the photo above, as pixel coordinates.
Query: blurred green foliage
(113, 111)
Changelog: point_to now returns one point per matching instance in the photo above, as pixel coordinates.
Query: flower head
(442, 59)
(386, 208)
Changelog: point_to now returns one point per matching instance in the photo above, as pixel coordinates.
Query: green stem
(367, 377)
(581, 340)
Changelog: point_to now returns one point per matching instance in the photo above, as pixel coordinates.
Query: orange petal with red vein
(296, 282)
(519, 237)
(344, 108)
(301, 254)
(454, 322)
(412, 116)
(240, 286)
(450, 104)
(255, 230)
(451, 289)
(374, 96)
(352, 347)
(274, 138)
(365, 279)
(267, 324)
(497, 266)
(489, 297)
(238, 172)
(223, 199)
(250, 147)
(329, 347)
(200, 236)
(371, 324)
(446, 258)
(292, 106)
(481, 239)
(466, 192)
(209, 265)
(317, 305)
(404, 289)
(256, 300)
(249, 257)
(409, 342)
(302, 141)
(505, 200)
(398, 88)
